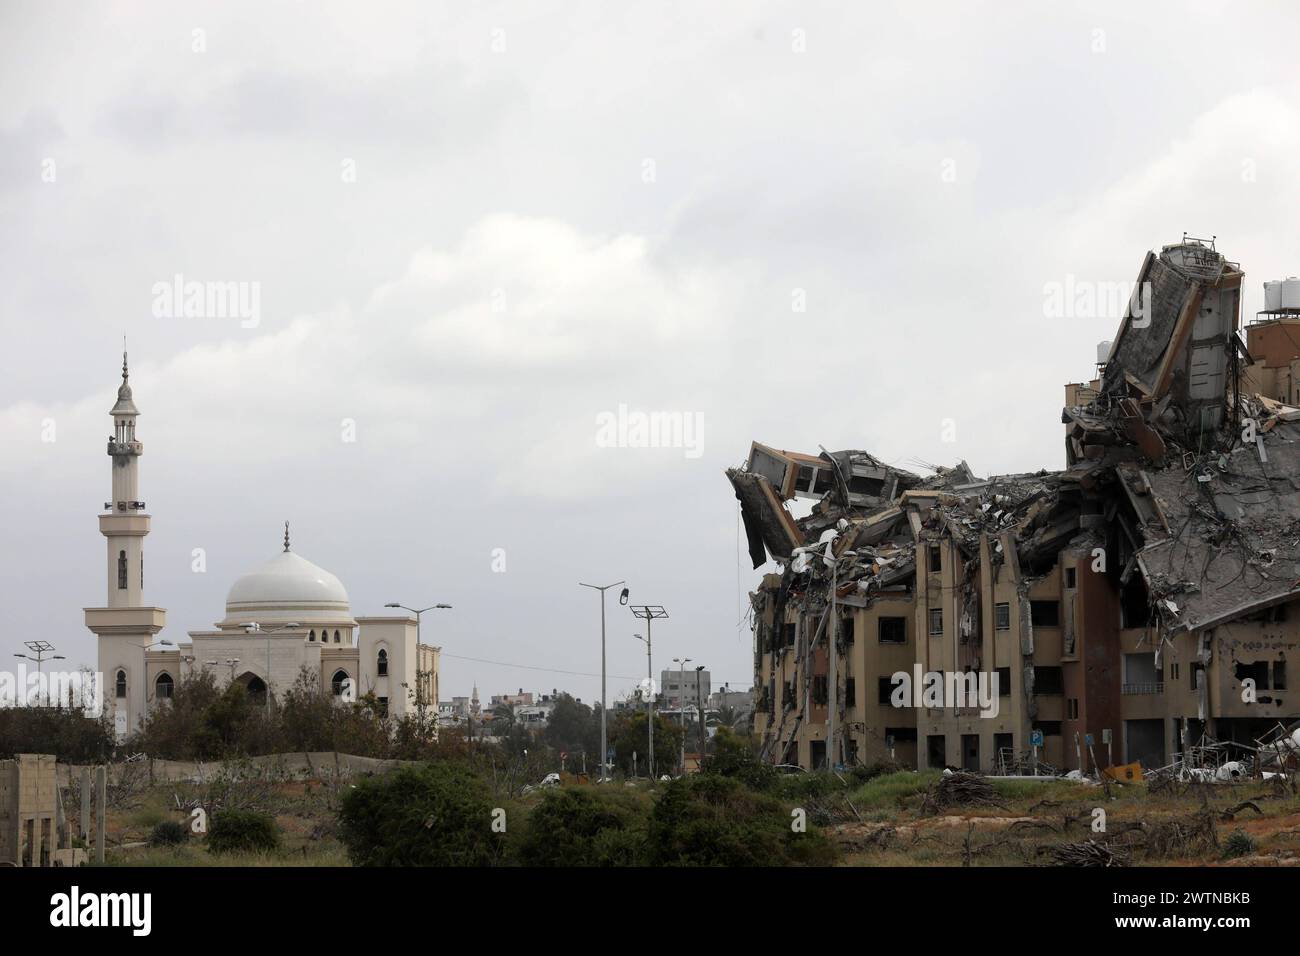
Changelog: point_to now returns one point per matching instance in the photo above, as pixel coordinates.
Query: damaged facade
(1125, 603)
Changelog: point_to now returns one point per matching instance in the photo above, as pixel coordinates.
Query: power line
(551, 670)
(530, 667)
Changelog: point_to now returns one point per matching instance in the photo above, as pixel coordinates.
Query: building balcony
(1156, 687)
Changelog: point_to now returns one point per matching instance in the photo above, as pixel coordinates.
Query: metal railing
(1156, 687)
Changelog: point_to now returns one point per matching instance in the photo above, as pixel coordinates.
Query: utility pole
(649, 612)
(604, 739)
(699, 707)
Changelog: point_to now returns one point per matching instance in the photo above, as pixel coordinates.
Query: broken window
(893, 630)
(1279, 675)
(1072, 708)
(1256, 671)
(1002, 616)
(884, 690)
(819, 692)
(936, 620)
(1197, 667)
(863, 485)
(1049, 681)
(1045, 613)
(1141, 675)
(1070, 578)
(936, 559)
(1004, 681)
(850, 692)
(789, 633)
(1134, 608)
(901, 735)
(1050, 728)
(846, 630)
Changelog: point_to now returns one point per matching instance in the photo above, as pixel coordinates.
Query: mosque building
(281, 617)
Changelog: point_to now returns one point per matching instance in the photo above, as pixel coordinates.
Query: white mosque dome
(287, 588)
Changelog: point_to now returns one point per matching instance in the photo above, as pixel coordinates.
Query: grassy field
(886, 821)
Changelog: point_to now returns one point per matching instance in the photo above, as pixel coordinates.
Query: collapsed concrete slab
(1136, 596)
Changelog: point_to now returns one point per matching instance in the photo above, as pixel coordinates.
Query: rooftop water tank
(1290, 294)
(1272, 295)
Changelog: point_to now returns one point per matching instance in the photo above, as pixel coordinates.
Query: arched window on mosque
(120, 685)
(121, 570)
(338, 682)
(164, 686)
(311, 636)
(336, 637)
(381, 667)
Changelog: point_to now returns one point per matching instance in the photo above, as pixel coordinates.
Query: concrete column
(101, 785)
(85, 804)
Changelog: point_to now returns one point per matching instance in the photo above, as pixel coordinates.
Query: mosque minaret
(284, 618)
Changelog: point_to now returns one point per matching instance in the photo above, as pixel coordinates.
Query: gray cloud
(516, 179)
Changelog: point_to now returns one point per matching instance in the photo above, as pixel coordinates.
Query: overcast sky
(474, 228)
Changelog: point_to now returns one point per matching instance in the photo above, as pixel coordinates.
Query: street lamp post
(681, 663)
(420, 702)
(40, 649)
(648, 613)
(699, 707)
(255, 628)
(604, 739)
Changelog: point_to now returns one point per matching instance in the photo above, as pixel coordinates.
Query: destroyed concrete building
(33, 828)
(1135, 603)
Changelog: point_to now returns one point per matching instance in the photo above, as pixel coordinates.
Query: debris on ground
(960, 789)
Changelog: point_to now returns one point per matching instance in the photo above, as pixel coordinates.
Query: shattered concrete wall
(1169, 520)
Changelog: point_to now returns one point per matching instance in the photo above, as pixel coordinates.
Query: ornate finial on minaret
(286, 536)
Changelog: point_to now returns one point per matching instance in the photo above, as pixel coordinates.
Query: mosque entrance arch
(254, 686)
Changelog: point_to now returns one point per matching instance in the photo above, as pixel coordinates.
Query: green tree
(569, 726)
(503, 719)
(710, 820)
(583, 826)
(629, 735)
(432, 815)
(736, 756)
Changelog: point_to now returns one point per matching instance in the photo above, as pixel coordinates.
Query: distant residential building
(520, 699)
(676, 686)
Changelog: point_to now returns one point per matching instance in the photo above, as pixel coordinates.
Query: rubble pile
(1179, 486)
